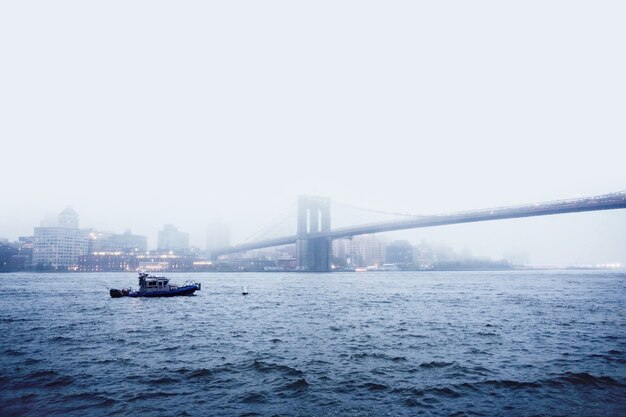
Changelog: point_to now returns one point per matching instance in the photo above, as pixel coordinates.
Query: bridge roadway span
(601, 202)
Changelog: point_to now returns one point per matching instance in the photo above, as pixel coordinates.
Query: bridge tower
(313, 253)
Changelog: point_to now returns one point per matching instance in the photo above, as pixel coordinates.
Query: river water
(356, 344)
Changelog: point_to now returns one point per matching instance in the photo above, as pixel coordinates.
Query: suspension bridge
(314, 235)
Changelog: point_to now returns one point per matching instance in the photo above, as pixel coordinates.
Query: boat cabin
(150, 283)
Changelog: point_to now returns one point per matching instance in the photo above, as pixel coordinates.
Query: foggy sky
(141, 113)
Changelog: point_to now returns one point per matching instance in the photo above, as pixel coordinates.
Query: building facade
(60, 247)
(171, 239)
(128, 242)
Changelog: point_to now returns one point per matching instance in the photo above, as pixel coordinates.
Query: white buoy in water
(244, 290)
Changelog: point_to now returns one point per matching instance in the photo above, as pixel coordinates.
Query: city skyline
(171, 239)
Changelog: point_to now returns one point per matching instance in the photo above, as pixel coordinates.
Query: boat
(244, 290)
(152, 286)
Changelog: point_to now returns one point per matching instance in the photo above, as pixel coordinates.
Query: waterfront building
(16, 256)
(171, 239)
(107, 261)
(60, 247)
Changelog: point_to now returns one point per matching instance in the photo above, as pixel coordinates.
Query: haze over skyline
(139, 114)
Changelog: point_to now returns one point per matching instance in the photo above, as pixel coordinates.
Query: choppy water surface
(478, 343)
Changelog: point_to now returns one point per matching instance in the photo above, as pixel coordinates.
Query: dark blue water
(441, 344)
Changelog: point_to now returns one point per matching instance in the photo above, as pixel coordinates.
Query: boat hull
(115, 293)
(187, 290)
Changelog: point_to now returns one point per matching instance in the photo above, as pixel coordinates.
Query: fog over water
(142, 113)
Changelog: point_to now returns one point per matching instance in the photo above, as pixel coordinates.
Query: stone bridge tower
(313, 253)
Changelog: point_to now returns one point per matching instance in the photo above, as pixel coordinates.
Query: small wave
(267, 367)
(507, 383)
(412, 402)
(443, 392)
(104, 401)
(559, 381)
(318, 362)
(42, 374)
(199, 373)
(168, 348)
(151, 395)
(435, 364)
(583, 378)
(61, 339)
(163, 380)
(414, 392)
(15, 319)
(365, 355)
(253, 398)
(298, 385)
(487, 334)
(475, 351)
(373, 386)
(60, 382)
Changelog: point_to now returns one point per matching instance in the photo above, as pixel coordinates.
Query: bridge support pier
(313, 253)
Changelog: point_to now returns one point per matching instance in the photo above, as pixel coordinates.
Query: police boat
(151, 286)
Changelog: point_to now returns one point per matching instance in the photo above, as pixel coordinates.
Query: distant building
(68, 218)
(98, 241)
(400, 252)
(425, 256)
(111, 242)
(217, 236)
(127, 242)
(60, 247)
(341, 249)
(171, 239)
(368, 250)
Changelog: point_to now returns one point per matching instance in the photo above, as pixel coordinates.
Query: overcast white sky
(140, 113)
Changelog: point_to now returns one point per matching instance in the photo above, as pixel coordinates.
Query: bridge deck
(602, 202)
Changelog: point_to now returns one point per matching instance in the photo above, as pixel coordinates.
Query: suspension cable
(390, 213)
(271, 225)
